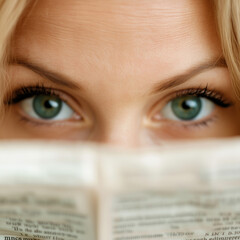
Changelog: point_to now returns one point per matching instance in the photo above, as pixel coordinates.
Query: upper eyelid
(184, 92)
(212, 95)
(69, 100)
(218, 62)
(21, 93)
(179, 93)
(57, 78)
(37, 90)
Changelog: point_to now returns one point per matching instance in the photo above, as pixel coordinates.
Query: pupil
(187, 107)
(50, 104)
(188, 104)
(47, 104)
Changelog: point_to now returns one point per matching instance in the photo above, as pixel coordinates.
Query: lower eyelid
(39, 123)
(200, 124)
(164, 122)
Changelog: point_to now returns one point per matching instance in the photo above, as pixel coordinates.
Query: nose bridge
(123, 138)
(121, 129)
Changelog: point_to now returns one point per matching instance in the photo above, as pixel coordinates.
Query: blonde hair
(10, 13)
(227, 14)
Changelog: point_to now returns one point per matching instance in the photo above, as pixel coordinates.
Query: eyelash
(212, 95)
(31, 91)
(27, 92)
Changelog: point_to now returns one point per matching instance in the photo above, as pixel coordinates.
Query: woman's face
(132, 73)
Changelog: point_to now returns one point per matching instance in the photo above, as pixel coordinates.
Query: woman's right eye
(46, 107)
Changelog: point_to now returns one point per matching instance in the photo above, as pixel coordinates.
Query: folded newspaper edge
(76, 163)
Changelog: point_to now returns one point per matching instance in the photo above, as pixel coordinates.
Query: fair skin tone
(118, 66)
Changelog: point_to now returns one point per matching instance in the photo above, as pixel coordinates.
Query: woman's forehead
(119, 36)
(121, 17)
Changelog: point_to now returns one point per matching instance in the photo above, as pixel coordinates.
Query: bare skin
(117, 65)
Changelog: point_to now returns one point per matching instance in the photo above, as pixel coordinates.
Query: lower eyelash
(39, 123)
(27, 121)
(201, 124)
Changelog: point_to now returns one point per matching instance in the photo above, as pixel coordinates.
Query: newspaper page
(75, 191)
(172, 194)
(46, 192)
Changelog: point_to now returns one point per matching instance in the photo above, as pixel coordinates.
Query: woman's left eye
(46, 107)
(187, 108)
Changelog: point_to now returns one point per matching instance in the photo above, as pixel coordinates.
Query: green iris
(47, 106)
(187, 107)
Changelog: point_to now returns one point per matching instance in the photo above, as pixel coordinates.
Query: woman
(131, 73)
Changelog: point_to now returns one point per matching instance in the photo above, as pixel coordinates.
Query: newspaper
(66, 191)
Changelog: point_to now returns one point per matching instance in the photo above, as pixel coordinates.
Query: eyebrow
(182, 78)
(167, 84)
(47, 74)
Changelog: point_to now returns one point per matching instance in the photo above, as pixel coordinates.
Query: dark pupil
(187, 107)
(47, 106)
